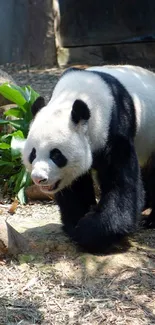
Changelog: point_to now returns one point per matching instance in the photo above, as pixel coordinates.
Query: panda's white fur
(79, 142)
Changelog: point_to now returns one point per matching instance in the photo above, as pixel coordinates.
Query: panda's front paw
(97, 233)
(88, 233)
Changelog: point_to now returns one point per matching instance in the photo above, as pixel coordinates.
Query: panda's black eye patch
(32, 155)
(58, 158)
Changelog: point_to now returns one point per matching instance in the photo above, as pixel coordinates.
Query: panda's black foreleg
(122, 199)
(75, 201)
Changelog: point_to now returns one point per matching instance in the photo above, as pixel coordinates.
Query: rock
(11, 241)
(5, 104)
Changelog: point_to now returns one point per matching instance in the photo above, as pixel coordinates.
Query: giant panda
(100, 118)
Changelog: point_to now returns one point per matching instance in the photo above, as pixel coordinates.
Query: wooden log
(33, 193)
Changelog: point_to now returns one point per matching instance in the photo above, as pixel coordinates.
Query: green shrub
(12, 171)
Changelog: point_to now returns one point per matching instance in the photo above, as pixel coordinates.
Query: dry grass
(56, 284)
(49, 294)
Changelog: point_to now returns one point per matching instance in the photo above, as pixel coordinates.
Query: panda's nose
(39, 180)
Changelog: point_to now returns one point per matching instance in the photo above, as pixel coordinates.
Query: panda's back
(96, 93)
(140, 83)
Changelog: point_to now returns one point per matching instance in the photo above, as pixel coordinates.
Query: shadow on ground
(19, 311)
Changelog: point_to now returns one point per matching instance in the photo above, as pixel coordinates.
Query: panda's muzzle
(50, 188)
(43, 182)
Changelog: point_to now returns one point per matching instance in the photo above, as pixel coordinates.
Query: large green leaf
(5, 137)
(5, 170)
(20, 125)
(2, 121)
(6, 155)
(4, 145)
(21, 179)
(32, 95)
(6, 163)
(14, 93)
(18, 134)
(21, 195)
(17, 143)
(15, 112)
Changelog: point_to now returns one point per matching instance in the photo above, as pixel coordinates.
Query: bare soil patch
(55, 283)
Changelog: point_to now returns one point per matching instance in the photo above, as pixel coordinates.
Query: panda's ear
(37, 105)
(80, 111)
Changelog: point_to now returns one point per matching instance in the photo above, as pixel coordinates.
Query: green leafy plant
(12, 171)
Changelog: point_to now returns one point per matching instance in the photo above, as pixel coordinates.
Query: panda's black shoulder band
(72, 69)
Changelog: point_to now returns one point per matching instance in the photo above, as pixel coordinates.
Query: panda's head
(57, 149)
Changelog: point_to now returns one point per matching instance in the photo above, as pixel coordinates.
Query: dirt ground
(55, 283)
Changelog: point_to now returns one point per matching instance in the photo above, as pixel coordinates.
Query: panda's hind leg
(148, 176)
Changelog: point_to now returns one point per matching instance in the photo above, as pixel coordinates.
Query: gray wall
(100, 22)
(14, 30)
(27, 32)
(85, 32)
